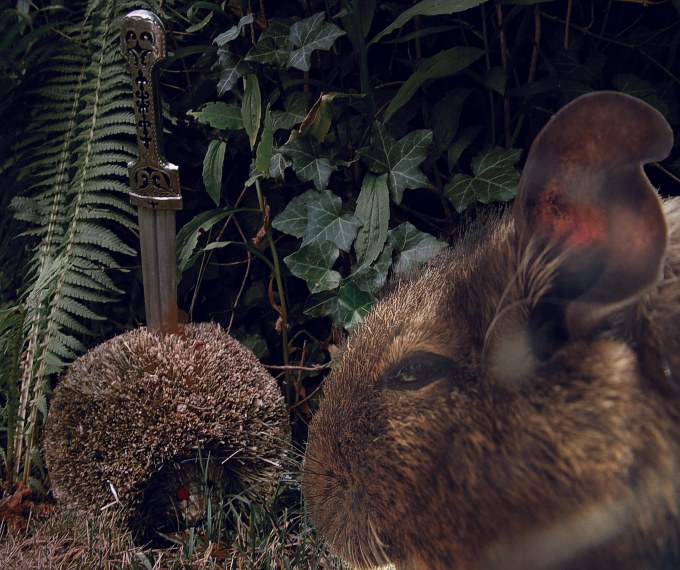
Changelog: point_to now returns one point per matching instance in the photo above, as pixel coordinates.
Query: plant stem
(279, 285)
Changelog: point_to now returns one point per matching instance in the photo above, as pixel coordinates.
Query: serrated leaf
(413, 247)
(220, 116)
(427, 8)
(233, 32)
(313, 263)
(328, 222)
(399, 159)
(495, 179)
(265, 147)
(373, 211)
(213, 164)
(308, 164)
(445, 64)
(294, 218)
(308, 35)
(251, 108)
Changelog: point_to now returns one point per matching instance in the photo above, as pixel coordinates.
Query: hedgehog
(160, 423)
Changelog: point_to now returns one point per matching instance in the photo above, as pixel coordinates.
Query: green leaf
(251, 108)
(445, 64)
(230, 71)
(295, 105)
(399, 159)
(273, 46)
(373, 210)
(313, 263)
(277, 166)
(213, 164)
(233, 32)
(308, 165)
(322, 304)
(200, 25)
(220, 116)
(462, 142)
(495, 179)
(308, 35)
(294, 218)
(265, 147)
(328, 222)
(413, 247)
(428, 8)
(445, 117)
(318, 121)
(347, 306)
(188, 236)
(353, 304)
(496, 78)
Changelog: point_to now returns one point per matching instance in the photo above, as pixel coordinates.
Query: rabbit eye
(417, 370)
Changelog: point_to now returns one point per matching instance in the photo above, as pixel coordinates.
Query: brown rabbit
(516, 404)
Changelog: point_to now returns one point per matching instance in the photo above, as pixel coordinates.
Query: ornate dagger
(154, 183)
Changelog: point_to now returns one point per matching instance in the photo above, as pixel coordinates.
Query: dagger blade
(154, 182)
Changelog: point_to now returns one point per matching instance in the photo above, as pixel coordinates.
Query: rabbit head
(515, 403)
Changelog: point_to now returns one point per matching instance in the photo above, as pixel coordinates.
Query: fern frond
(74, 195)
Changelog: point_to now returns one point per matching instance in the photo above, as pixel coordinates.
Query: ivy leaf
(321, 304)
(495, 179)
(219, 116)
(353, 304)
(413, 247)
(373, 211)
(313, 263)
(230, 71)
(399, 159)
(347, 306)
(308, 35)
(233, 32)
(295, 105)
(294, 218)
(328, 222)
(273, 46)
(307, 164)
(277, 166)
(213, 164)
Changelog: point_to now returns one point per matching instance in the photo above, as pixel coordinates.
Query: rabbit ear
(585, 199)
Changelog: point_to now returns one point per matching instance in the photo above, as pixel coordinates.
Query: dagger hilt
(154, 182)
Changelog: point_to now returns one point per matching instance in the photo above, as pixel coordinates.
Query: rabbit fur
(516, 402)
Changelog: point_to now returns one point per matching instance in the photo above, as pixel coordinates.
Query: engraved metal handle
(154, 181)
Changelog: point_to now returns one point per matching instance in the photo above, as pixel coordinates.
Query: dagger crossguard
(154, 182)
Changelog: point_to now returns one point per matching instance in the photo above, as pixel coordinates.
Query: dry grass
(242, 535)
